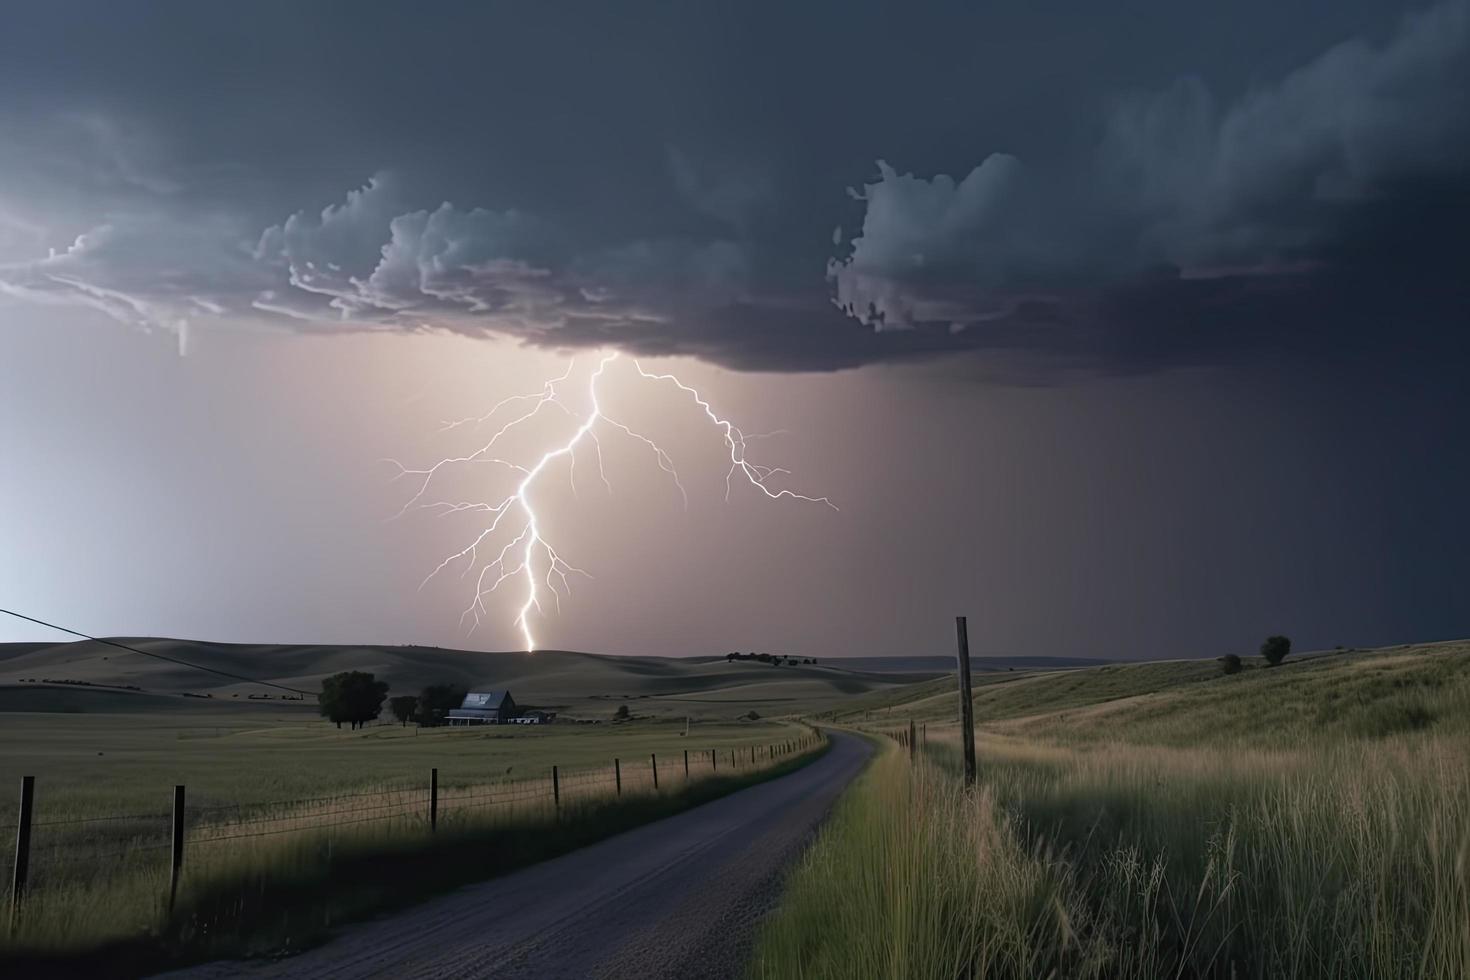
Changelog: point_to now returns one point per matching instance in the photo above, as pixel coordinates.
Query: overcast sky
(1129, 330)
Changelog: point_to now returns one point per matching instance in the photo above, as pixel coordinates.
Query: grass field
(275, 856)
(1158, 820)
(293, 824)
(96, 763)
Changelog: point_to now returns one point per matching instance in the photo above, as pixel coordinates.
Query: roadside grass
(302, 869)
(914, 878)
(1307, 821)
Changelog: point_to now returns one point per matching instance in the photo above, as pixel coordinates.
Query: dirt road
(677, 898)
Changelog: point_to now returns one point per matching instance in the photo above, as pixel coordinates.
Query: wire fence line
(77, 850)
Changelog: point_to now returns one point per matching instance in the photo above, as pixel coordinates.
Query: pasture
(1152, 820)
(292, 824)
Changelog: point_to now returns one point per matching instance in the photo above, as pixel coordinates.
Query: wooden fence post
(653, 764)
(555, 788)
(176, 853)
(712, 763)
(434, 799)
(912, 740)
(686, 764)
(732, 758)
(967, 707)
(22, 846)
(618, 775)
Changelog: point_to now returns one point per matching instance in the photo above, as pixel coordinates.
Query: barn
(485, 708)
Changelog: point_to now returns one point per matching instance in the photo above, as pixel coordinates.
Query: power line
(155, 656)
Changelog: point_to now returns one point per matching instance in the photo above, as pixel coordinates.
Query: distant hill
(945, 665)
(578, 683)
(1351, 693)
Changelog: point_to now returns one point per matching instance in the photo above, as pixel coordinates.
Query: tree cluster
(357, 697)
(774, 659)
(353, 696)
(1274, 650)
(436, 701)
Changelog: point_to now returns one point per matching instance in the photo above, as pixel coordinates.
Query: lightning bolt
(525, 554)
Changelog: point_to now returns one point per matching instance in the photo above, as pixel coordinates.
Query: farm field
(97, 763)
(275, 857)
(292, 824)
(1151, 820)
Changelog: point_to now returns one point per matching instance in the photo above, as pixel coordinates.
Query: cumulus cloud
(1264, 186)
(1196, 226)
(370, 262)
(937, 250)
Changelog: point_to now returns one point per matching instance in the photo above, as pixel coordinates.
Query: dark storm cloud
(656, 196)
(1267, 194)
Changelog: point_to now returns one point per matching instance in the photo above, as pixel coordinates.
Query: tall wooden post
(967, 706)
(555, 788)
(686, 764)
(912, 741)
(22, 846)
(618, 774)
(176, 853)
(712, 763)
(653, 764)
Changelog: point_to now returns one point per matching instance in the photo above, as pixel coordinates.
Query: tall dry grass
(1345, 860)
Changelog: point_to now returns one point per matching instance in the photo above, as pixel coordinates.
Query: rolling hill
(576, 683)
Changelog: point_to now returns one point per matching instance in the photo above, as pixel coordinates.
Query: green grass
(1311, 820)
(93, 764)
(99, 889)
(1190, 702)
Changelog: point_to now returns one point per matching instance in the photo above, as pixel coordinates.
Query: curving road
(676, 898)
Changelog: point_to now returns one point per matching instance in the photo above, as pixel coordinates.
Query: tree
(1275, 649)
(1230, 664)
(353, 696)
(404, 707)
(437, 700)
(622, 714)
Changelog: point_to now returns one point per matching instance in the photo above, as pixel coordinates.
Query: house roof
(485, 700)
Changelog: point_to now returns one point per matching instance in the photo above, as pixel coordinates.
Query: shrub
(622, 714)
(1275, 649)
(1230, 664)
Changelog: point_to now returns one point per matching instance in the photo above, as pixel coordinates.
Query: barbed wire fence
(65, 851)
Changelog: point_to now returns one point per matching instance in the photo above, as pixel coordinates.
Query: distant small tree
(404, 706)
(1230, 664)
(622, 714)
(353, 696)
(1275, 649)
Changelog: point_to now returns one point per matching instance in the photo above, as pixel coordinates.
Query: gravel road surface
(677, 898)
